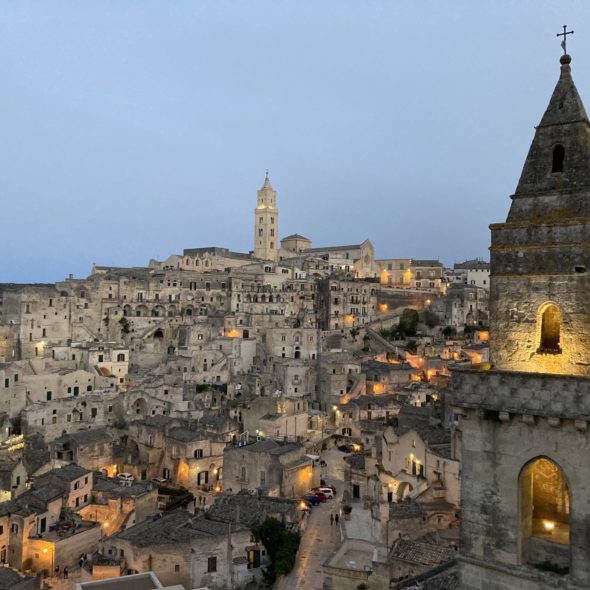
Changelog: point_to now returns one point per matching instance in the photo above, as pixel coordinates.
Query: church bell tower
(266, 223)
(525, 420)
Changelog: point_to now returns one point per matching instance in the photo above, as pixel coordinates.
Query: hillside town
(305, 417)
(215, 389)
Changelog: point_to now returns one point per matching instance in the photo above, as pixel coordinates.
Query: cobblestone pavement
(320, 538)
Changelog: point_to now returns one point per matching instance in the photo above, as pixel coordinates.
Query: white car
(328, 492)
(126, 477)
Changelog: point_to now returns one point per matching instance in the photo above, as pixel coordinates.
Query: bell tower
(540, 257)
(266, 223)
(525, 420)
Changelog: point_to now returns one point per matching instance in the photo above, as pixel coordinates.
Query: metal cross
(564, 35)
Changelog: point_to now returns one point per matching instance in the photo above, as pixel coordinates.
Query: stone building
(280, 469)
(181, 548)
(266, 225)
(525, 493)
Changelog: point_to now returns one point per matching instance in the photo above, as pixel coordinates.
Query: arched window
(550, 330)
(544, 514)
(558, 157)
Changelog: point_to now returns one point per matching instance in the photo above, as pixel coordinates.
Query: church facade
(524, 421)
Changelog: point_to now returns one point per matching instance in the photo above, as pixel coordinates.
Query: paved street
(320, 538)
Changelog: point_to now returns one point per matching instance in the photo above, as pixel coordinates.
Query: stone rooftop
(271, 446)
(249, 509)
(68, 473)
(420, 553)
(113, 486)
(97, 435)
(173, 528)
(183, 434)
(442, 577)
(9, 578)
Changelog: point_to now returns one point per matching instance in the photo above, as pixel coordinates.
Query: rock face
(524, 426)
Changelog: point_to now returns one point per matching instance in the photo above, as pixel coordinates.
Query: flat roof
(145, 581)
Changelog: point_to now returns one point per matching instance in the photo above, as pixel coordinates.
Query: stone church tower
(525, 516)
(266, 223)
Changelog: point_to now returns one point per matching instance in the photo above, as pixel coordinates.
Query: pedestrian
(57, 571)
(65, 573)
(337, 518)
(81, 560)
(331, 519)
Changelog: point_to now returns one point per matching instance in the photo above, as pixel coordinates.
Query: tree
(412, 346)
(408, 322)
(124, 323)
(281, 545)
(430, 319)
(354, 332)
(449, 332)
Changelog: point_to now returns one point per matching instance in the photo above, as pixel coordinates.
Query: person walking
(65, 573)
(331, 519)
(337, 518)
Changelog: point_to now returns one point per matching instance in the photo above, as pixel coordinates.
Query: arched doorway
(544, 514)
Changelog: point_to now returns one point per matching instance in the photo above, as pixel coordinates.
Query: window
(49, 396)
(14, 528)
(177, 568)
(198, 453)
(550, 330)
(212, 564)
(6, 382)
(558, 157)
(263, 478)
(76, 390)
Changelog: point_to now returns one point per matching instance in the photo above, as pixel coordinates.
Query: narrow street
(320, 538)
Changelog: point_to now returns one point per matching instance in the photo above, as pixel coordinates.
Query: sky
(130, 130)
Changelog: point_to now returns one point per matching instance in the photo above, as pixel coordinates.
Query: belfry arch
(544, 513)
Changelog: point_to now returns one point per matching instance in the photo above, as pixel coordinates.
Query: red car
(321, 497)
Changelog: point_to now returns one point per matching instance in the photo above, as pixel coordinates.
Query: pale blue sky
(130, 130)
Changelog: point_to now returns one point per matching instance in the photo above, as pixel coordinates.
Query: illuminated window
(550, 330)
(545, 513)
(558, 157)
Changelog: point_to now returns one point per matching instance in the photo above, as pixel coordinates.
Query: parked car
(159, 481)
(328, 492)
(125, 479)
(313, 500)
(321, 497)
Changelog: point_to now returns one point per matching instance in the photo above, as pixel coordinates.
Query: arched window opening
(158, 333)
(545, 515)
(558, 157)
(550, 330)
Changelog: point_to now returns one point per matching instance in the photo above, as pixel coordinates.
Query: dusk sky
(130, 130)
